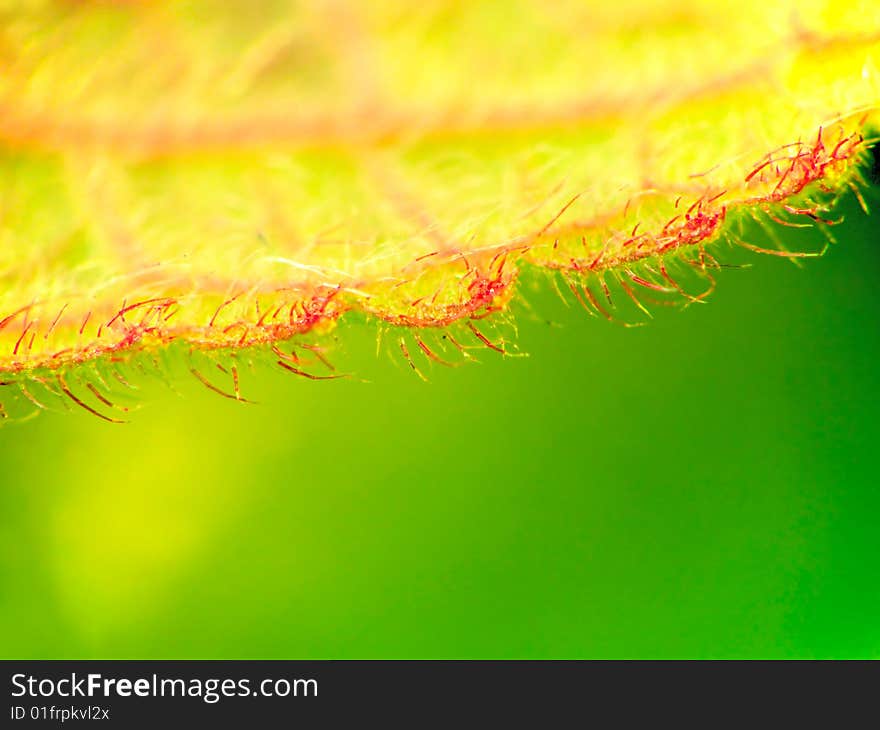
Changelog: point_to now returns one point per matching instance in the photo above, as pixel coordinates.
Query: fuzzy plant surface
(228, 179)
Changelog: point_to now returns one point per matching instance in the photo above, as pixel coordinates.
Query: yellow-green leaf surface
(233, 174)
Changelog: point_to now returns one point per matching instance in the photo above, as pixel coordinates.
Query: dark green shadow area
(704, 486)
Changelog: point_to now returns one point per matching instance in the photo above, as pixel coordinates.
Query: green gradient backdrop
(705, 486)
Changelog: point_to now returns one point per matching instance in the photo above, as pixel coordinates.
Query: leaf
(227, 175)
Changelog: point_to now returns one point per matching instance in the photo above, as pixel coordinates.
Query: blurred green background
(701, 487)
